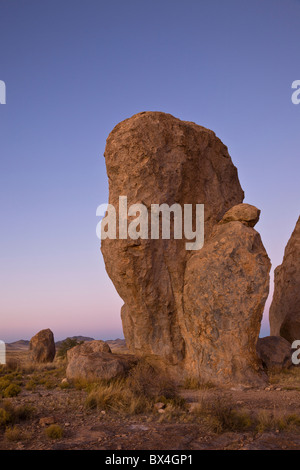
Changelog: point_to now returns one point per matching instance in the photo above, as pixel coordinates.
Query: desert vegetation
(40, 408)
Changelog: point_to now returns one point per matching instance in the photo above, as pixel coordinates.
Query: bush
(13, 434)
(4, 417)
(54, 431)
(135, 394)
(12, 390)
(67, 344)
(145, 380)
(11, 415)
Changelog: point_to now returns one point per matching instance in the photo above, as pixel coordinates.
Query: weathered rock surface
(285, 309)
(245, 213)
(42, 346)
(94, 360)
(275, 352)
(154, 158)
(226, 286)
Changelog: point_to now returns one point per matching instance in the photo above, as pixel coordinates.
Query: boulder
(285, 308)
(154, 158)
(42, 346)
(225, 289)
(245, 213)
(94, 360)
(275, 352)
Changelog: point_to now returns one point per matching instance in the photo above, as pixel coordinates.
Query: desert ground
(40, 409)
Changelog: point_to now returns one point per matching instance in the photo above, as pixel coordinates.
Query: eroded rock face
(275, 352)
(225, 288)
(94, 360)
(285, 309)
(154, 158)
(42, 346)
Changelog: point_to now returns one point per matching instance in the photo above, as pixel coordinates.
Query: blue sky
(75, 68)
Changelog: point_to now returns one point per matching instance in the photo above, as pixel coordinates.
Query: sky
(73, 69)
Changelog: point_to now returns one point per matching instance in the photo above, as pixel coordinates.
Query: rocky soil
(85, 428)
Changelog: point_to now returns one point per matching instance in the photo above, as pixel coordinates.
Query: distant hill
(78, 338)
(116, 345)
(20, 345)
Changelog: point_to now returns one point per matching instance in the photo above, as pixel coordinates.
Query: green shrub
(67, 344)
(12, 390)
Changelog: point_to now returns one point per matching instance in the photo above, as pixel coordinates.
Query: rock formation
(199, 311)
(275, 352)
(285, 308)
(94, 360)
(42, 346)
(225, 289)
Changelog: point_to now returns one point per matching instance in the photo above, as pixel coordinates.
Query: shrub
(67, 344)
(5, 417)
(145, 380)
(135, 394)
(13, 434)
(54, 431)
(12, 390)
(11, 415)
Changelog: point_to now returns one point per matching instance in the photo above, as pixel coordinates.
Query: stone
(245, 213)
(159, 405)
(285, 308)
(225, 289)
(154, 158)
(47, 421)
(94, 360)
(42, 347)
(275, 352)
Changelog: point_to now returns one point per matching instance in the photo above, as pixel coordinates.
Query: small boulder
(94, 360)
(275, 352)
(244, 213)
(47, 421)
(42, 346)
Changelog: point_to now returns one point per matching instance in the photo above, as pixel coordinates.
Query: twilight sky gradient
(74, 69)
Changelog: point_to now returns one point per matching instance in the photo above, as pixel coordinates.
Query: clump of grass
(5, 417)
(54, 431)
(146, 380)
(192, 383)
(225, 418)
(287, 379)
(220, 416)
(267, 421)
(12, 390)
(116, 396)
(10, 414)
(135, 394)
(4, 383)
(14, 434)
(23, 412)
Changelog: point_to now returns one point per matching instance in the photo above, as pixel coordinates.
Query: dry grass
(288, 379)
(135, 394)
(54, 431)
(221, 416)
(16, 434)
(191, 383)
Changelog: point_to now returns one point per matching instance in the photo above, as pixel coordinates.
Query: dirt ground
(84, 428)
